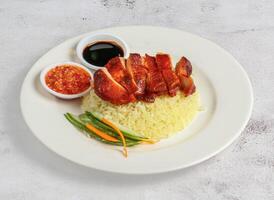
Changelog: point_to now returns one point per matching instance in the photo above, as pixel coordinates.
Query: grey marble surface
(28, 170)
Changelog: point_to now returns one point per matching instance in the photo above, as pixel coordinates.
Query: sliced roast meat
(187, 85)
(164, 64)
(183, 67)
(109, 90)
(155, 81)
(183, 70)
(142, 78)
(116, 67)
(136, 68)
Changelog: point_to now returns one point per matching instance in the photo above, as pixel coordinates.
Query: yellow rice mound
(166, 116)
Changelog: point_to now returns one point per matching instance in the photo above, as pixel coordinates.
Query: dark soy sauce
(100, 53)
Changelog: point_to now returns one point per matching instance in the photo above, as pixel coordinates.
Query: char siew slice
(165, 66)
(135, 66)
(155, 82)
(116, 68)
(183, 67)
(183, 70)
(109, 90)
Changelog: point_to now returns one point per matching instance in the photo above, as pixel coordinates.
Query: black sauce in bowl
(100, 53)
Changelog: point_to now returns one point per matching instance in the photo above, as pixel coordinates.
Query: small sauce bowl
(45, 71)
(95, 38)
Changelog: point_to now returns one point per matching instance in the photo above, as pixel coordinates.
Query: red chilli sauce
(68, 79)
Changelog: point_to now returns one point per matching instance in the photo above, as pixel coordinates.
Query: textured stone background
(28, 170)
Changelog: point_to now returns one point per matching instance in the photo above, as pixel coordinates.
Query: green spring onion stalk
(80, 126)
(97, 124)
(128, 134)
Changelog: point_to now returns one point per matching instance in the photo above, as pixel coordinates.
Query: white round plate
(226, 98)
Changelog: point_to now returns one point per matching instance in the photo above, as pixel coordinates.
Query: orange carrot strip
(119, 132)
(101, 134)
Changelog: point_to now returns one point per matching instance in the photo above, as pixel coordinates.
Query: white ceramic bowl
(92, 38)
(60, 95)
